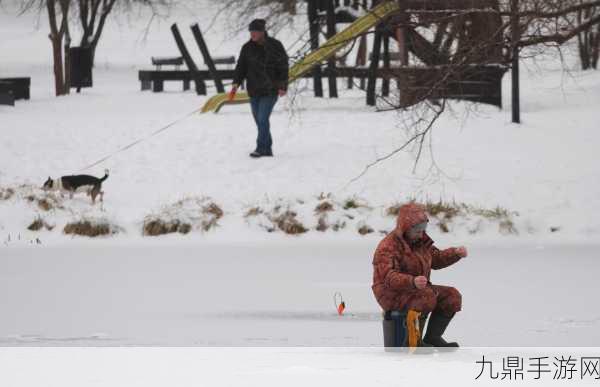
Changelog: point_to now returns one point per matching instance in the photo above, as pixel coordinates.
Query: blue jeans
(261, 110)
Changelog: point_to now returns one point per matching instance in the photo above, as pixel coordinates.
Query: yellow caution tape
(326, 51)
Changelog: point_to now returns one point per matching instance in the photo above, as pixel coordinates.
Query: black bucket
(395, 332)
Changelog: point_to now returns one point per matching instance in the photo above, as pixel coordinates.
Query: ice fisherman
(263, 63)
(401, 269)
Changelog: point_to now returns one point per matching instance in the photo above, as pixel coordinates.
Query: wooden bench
(155, 79)
(18, 86)
(477, 83)
(6, 94)
(167, 61)
(223, 60)
(12, 89)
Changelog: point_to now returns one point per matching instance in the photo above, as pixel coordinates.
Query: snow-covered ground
(544, 169)
(125, 367)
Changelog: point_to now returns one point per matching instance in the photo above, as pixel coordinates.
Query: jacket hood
(409, 215)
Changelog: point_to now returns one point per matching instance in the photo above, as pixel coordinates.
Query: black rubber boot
(422, 321)
(437, 325)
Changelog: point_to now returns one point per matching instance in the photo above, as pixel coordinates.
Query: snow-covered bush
(183, 216)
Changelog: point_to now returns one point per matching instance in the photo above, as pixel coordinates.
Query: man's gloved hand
(232, 92)
(420, 282)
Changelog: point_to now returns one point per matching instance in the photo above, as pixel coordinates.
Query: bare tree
(92, 16)
(277, 12)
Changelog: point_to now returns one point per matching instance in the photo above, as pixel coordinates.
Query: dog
(91, 185)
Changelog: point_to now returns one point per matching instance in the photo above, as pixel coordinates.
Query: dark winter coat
(264, 67)
(397, 263)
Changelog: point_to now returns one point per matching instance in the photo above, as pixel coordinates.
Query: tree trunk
(331, 31)
(314, 27)
(56, 36)
(596, 47)
(91, 11)
(67, 83)
(59, 83)
(584, 57)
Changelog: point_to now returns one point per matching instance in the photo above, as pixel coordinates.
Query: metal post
(313, 21)
(515, 37)
(373, 69)
(333, 93)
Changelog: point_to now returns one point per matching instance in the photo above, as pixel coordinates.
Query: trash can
(81, 67)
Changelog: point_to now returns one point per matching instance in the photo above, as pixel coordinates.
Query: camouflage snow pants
(439, 298)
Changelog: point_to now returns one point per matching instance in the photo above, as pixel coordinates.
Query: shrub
(6, 193)
(288, 223)
(155, 227)
(365, 229)
(39, 224)
(324, 206)
(89, 228)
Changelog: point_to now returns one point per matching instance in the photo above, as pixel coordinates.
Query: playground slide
(326, 51)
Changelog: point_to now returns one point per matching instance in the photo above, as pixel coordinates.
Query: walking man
(263, 63)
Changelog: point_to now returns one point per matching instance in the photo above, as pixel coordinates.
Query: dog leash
(134, 143)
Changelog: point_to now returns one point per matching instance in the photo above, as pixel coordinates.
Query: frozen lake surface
(279, 294)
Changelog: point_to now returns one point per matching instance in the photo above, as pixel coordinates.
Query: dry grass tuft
(6, 193)
(254, 211)
(442, 209)
(365, 229)
(443, 227)
(507, 227)
(183, 216)
(46, 202)
(156, 227)
(89, 229)
(208, 225)
(288, 223)
(496, 213)
(339, 225)
(39, 224)
(324, 196)
(324, 206)
(351, 203)
(214, 210)
(393, 210)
